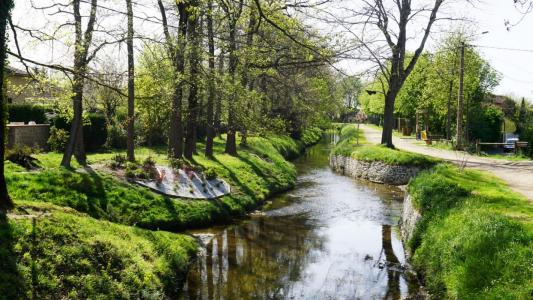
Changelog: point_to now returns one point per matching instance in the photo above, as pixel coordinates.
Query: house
(22, 88)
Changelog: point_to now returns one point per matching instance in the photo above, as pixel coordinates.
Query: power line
(503, 48)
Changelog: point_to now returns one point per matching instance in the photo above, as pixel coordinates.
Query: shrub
(210, 173)
(58, 139)
(94, 130)
(149, 168)
(130, 174)
(95, 133)
(177, 163)
(26, 113)
(117, 137)
(118, 161)
(22, 156)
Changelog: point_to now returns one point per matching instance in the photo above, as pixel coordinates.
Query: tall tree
(194, 70)
(210, 81)
(5, 14)
(393, 20)
(177, 54)
(246, 82)
(131, 86)
(83, 41)
(522, 117)
(233, 13)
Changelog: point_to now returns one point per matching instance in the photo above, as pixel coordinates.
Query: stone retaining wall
(32, 135)
(375, 171)
(410, 216)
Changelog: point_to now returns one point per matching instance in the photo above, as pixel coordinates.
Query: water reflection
(330, 238)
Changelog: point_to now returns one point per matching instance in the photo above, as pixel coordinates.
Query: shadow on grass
(235, 178)
(11, 281)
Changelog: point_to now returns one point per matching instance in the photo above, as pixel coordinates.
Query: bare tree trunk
(211, 81)
(131, 87)
(82, 43)
(218, 100)
(233, 13)
(398, 71)
(388, 118)
(194, 63)
(231, 144)
(245, 74)
(177, 54)
(5, 11)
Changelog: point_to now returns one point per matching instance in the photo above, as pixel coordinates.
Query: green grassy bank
(475, 238)
(347, 146)
(96, 236)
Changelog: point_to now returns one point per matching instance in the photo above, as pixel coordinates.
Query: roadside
(517, 174)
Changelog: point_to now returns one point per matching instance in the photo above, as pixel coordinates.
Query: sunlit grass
(348, 146)
(70, 255)
(475, 239)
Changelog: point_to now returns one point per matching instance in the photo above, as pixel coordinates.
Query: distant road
(517, 174)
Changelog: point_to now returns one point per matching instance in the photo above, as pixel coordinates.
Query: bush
(117, 137)
(210, 173)
(58, 139)
(26, 113)
(94, 131)
(118, 161)
(177, 163)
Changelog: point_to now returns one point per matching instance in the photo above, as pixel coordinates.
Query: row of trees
(202, 69)
(432, 90)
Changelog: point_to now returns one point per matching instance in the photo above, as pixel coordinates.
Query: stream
(331, 237)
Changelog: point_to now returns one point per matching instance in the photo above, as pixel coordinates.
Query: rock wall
(374, 171)
(381, 172)
(32, 135)
(410, 216)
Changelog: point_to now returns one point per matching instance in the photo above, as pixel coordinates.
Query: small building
(23, 88)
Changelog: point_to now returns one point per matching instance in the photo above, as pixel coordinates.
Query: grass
(348, 146)
(66, 254)
(93, 239)
(258, 171)
(475, 239)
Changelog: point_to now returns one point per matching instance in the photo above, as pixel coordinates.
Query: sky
(514, 66)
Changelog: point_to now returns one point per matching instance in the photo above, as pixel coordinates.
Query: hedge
(26, 113)
(94, 131)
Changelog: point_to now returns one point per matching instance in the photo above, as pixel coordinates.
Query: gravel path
(517, 174)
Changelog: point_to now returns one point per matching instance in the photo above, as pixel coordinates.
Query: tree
(210, 81)
(194, 70)
(379, 14)
(233, 12)
(522, 118)
(177, 54)
(82, 44)
(5, 13)
(130, 144)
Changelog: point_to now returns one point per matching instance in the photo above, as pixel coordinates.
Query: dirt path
(517, 174)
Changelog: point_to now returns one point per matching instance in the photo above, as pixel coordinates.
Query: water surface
(331, 237)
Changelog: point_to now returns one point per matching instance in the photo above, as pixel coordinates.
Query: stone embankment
(380, 172)
(410, 216)
(375, 171)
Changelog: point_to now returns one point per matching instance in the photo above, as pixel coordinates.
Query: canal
(332, 237)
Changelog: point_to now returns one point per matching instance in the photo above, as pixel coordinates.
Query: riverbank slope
(83, 233)
(474, 238)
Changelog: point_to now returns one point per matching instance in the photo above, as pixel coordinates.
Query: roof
(15, 71)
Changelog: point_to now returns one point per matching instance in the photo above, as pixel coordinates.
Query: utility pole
(459, 138)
